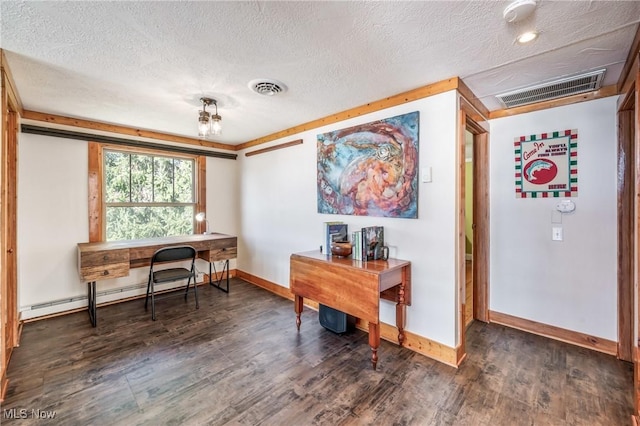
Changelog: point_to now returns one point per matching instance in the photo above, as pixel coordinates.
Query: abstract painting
(547, 165)
(370, 169)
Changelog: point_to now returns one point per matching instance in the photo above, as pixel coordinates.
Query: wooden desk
(354, 287)
(113, 259)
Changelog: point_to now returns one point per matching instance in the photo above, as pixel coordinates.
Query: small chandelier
(209, 124)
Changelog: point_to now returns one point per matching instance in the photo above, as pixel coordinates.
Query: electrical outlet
(556, 233)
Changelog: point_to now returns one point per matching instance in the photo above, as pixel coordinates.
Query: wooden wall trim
(480, 113)
(201, 188)
(627, 75)
(604, 92)
(625, 185)
(399, 99)
(123, 130)
(273, 288)
(96, 213)
(414, 342)
(460, 260)
(568, 336)
(636, 232)
(273, 148)
(7, 79)
(629, 84)
(481, 234)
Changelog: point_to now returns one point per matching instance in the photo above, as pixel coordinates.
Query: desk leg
(91, 303)
(218, 281)
(401, 312)
(374, 342)
(298, 304)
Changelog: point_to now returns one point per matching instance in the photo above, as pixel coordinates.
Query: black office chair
(171, 254)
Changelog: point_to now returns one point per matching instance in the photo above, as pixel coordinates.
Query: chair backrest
(173, 254)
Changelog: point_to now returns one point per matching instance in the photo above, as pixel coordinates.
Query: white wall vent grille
(553, 90)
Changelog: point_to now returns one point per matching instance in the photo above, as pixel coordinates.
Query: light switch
(556, 233)
(425, 174)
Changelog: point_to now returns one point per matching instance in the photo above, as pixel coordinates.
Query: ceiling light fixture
(209, 124)
(527, 37)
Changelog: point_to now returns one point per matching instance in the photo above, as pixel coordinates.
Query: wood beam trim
(399, 99)
(122, 130)
(568, 336)
(273, 148)
(480, 112)
(596, 94)
(627, 73)
(627, 100)
(629, 84)
(7, 79)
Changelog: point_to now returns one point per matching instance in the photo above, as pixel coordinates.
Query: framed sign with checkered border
(547, 165)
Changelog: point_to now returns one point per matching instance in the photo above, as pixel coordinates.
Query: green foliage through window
(147, 195)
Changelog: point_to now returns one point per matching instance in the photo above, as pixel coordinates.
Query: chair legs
(153, 299)
(195, 290)
(150, 291)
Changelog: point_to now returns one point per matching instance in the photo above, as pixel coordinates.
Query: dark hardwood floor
(239, 360)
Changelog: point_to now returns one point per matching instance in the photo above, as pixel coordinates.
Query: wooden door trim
(625, 189)
(9, 319)
(636, 229)
(480, 267)
(480, 262)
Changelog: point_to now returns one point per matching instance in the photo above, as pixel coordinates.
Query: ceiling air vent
(267, 87)
(553, 90)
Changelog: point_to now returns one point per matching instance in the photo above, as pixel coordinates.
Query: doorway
(468, 228)
(473, 222)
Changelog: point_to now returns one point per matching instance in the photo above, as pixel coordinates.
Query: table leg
(401, 310)
(298, 304)
(91, 303)
(225, 267)
(374, 342)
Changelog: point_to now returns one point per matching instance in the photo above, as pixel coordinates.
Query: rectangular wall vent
(553, 90)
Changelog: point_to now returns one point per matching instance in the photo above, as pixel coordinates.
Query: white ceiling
(145, 64)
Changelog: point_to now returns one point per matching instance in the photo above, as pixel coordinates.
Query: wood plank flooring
(239, 360)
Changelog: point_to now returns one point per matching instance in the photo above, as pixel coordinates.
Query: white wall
(569, 284)
(279, 215)
(53, 218)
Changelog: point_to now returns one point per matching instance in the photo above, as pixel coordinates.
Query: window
(147, 194)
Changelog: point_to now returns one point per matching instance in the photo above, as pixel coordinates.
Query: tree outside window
(148, 195)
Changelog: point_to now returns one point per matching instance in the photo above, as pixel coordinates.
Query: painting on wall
(370, 169)
(547, 165)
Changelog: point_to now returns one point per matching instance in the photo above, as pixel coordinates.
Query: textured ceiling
(145, 64)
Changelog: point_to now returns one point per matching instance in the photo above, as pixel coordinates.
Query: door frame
(9, 318)
(476, 123)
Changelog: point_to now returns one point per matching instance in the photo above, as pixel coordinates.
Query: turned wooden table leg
(298, 308)
(401, 310)
(374, 342)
